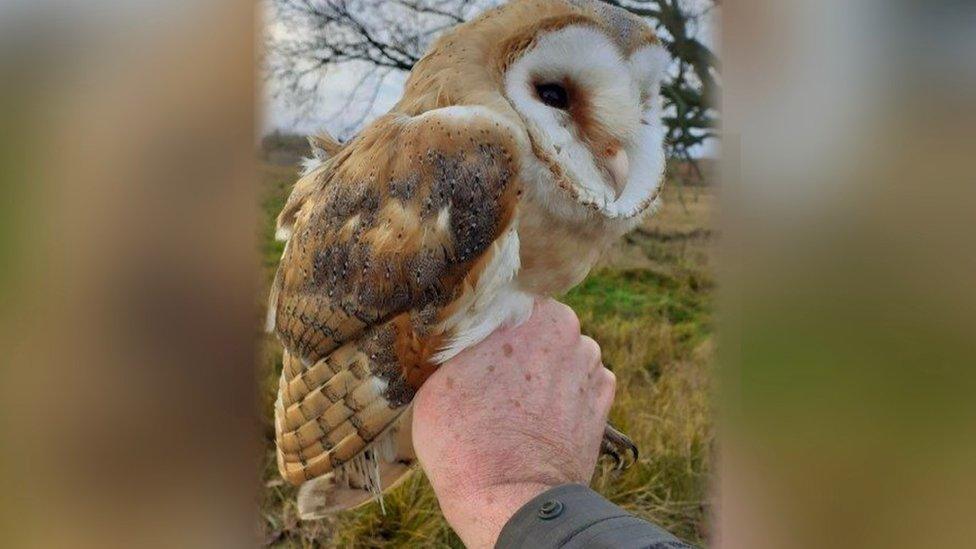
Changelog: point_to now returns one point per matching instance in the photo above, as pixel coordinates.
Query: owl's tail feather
(337, 434)
(363, 479)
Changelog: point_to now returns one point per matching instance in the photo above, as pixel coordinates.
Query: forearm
(479, 520)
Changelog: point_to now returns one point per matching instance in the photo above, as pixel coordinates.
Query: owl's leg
(619, 447)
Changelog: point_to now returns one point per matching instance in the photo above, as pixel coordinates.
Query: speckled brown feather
(399, 226)
(324, 148)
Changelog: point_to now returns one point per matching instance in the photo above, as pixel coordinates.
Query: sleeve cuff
(573, 515)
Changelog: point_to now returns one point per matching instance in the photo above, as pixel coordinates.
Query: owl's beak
(619, 167)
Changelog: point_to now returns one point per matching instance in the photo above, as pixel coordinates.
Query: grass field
(648, 304)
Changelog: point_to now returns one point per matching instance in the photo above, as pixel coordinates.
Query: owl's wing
(314, 174)
(381, 254)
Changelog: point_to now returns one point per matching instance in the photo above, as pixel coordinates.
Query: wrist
(478, 518)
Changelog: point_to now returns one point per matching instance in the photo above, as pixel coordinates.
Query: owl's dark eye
(554, 95)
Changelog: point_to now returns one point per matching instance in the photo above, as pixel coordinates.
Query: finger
(605, 387)
(591, 352)
(561, 315)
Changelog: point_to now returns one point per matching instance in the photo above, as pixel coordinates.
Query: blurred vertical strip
(129, 268)
(849, 275)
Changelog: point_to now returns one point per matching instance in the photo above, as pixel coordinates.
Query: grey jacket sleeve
(573, 516)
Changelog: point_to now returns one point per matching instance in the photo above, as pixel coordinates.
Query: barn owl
(526, 141)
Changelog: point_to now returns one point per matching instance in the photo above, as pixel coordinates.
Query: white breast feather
(496, 301)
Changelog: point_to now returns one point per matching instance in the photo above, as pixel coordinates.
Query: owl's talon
(619, 447)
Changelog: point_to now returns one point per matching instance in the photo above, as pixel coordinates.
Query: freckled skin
(521, 443)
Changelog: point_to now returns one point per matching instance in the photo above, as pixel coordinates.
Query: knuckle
(591, 348)
(610, 380)
(607, 386)
(560, 314)
(567, 317)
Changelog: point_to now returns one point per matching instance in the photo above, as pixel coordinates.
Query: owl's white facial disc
(594, 118)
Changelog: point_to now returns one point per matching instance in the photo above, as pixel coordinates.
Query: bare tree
(308, 38)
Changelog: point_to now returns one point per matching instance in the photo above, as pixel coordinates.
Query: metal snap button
(550, 509)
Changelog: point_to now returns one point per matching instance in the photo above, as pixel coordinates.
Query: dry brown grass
(649, 306)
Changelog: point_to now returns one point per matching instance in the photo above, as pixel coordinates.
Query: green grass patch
(682, 301)
(276, 190)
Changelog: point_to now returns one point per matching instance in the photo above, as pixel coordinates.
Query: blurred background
(793, 333)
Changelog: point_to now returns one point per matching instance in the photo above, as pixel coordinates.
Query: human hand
(504, 421)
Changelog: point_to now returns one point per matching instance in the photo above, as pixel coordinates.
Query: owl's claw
(619, 447)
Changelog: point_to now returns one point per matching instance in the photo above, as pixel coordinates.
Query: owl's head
(582, 77)
(586, 83)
